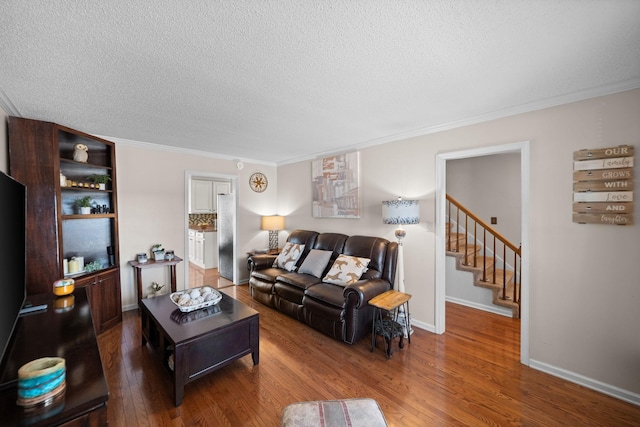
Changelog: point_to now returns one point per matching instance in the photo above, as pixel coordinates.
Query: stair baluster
(489, 278)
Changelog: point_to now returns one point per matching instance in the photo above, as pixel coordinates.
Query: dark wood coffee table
(201, 341)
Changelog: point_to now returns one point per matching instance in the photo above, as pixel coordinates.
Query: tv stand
(67, 333)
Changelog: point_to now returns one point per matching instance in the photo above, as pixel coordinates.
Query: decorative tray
(195, 298)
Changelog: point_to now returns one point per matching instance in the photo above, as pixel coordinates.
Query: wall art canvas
(336, 191)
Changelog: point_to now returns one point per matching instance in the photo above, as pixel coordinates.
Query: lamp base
(400, 234)
(273, 239)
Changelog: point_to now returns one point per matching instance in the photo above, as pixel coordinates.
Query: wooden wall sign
(603, 186)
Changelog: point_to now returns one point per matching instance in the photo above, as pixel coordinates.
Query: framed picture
(336, 192)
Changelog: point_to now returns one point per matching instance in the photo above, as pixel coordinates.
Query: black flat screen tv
(13, 244)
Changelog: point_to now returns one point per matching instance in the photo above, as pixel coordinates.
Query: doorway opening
(441, 160)
(202, 239)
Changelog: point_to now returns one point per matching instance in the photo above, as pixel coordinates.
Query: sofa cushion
(303, 237)
(330, 242)
(302, 281)
(267, 274)
(346, 270)
(315, 262)
(289, 256)
(289, 293)
(327, 293)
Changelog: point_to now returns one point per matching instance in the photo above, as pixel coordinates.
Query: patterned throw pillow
(288, 257)
(346, 270)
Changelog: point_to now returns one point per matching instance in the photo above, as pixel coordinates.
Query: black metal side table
(389, 328)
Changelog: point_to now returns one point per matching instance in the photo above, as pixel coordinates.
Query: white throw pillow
(289, 256)
(346, 270)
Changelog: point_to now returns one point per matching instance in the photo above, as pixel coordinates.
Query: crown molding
(499, 114)
(179, 150)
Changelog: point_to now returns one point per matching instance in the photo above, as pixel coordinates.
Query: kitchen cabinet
(59, 166)
(205, 251)
(204, 195)
(202, 200)
(211, 250)
(192, 245)
(199, 257)
(103, 291)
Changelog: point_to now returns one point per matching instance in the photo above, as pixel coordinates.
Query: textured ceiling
(277, 81)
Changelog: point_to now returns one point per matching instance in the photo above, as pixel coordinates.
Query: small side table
(139, 266)
(389, 328)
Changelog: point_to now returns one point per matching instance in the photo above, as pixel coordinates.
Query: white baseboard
(587, 382)
(491, 309)
(129, 307)
(422, 325)
(431, 328)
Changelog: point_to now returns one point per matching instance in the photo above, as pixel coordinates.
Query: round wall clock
(258, 182)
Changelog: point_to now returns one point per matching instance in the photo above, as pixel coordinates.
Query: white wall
(584, 291)
(489, 186)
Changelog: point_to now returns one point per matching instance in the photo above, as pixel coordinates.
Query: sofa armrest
(363, 290)
(258, 262)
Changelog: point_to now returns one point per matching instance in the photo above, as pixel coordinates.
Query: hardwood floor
(469, 376)
(200, 277)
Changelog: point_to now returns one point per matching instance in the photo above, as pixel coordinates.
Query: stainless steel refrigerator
(226, 225)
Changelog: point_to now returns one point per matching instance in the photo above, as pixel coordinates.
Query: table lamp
(273, 223)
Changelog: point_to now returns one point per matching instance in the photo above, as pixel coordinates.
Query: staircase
(478, 248)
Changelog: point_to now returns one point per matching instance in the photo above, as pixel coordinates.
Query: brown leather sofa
(339, 311)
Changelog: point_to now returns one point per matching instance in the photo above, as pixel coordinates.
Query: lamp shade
(272, 223)
(400, 212)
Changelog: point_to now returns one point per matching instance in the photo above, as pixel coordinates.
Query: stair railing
(498, 242)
